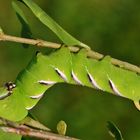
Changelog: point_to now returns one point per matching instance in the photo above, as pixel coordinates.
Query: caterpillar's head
(6, 90)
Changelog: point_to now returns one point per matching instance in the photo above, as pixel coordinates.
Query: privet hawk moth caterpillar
(63, 66)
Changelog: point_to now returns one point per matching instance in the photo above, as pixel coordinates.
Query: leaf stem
(90, 53)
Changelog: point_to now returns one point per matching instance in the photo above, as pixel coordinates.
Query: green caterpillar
(64, 66)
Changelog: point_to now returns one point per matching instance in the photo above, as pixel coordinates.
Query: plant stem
(90, 53)
(12, 127)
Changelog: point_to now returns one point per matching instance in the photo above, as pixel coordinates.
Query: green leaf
(9, 136)
(25, 31)
(114, 131)
(52, 25)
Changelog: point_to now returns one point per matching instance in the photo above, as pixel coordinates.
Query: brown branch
(90, 53)
(25, 131)
(12, 127)
(37, 42)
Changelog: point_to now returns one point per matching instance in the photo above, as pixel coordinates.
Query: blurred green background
(109, 27)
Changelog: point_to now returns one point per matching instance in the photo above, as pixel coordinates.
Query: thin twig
(36, 42)
(35, 133)
(12, 127)
(90, 53)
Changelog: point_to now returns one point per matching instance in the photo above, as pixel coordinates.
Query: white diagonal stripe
(63, 76)
(75, 78)
(114, 88)
(37, 96)
(29, 108)
(94, 83)
(46, 82)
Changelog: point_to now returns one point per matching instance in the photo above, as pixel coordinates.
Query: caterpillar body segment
(98, 71)
(63, 66)
(79, 62)
(12, 107)
(126, 82)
